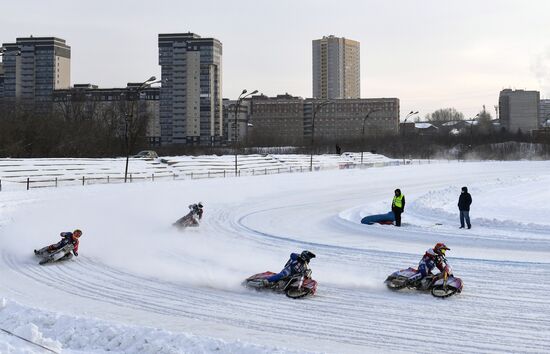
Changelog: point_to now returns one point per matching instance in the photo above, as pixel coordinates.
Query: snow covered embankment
(78, 334)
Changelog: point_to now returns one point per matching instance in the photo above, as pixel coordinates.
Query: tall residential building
(336, 68)
(36, 66)
(519, 110)
(191, 92)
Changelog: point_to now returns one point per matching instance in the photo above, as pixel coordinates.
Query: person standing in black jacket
(464, 202)
(398, 206)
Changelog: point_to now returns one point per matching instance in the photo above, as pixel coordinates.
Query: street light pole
(242, 96)
(472, 130)
(363, 132)
(410, 114)
(126, 119)
(315, 109)
(3, 51)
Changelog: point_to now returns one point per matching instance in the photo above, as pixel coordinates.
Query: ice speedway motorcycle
(189, 220)
(296, 286)
(440, 285)
(62, 254)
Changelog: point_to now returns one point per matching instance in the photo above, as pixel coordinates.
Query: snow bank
(72, 334)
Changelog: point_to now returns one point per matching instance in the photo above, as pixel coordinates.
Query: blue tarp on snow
(379, 218)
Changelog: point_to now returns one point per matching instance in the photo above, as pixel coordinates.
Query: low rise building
(343, 119)
(290, 120)
(237, 129)
(1, 80)
(425, 128)
(544, 113)
(276, 120)
(112, 104)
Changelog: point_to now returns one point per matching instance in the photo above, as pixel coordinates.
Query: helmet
(465, 189)
(77, 233)
(398, 191)
(307, 256)
(440, 248)
(200, 205)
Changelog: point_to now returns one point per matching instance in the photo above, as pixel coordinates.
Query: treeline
(476, 145)
(70, 129)
(495, 146)
(84, 128)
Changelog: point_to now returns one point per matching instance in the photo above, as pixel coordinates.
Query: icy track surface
(138, 285)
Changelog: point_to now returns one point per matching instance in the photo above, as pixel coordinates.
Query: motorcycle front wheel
(441, 291)
(295, 293)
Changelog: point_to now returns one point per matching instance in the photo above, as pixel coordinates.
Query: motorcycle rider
(197, 209)
(297, 263)
(67, 238)
(434, 257)
(192, 218)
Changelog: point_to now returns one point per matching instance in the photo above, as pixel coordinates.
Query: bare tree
(485, 124)
(444, 115)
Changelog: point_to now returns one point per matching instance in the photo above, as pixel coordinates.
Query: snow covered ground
(139, 285)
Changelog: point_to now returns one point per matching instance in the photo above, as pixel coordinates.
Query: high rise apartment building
(336, 68)
(519, 110)
(34, 67)
(191, 92)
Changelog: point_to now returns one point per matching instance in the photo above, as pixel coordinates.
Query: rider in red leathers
(434, 257)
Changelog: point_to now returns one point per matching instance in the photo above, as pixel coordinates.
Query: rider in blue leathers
(296, 264)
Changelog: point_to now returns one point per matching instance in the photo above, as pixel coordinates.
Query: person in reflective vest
(398, 206)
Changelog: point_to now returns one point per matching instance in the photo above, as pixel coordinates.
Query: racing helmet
(307, 256)
(440, 248)
(199, 205)
(77, 233)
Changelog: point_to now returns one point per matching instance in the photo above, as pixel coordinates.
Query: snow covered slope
(139, 285)
(16, 173)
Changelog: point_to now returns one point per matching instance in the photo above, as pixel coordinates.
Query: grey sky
(431, 53)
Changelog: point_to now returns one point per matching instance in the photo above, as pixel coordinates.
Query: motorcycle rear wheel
(295, 293)
(442, 292)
